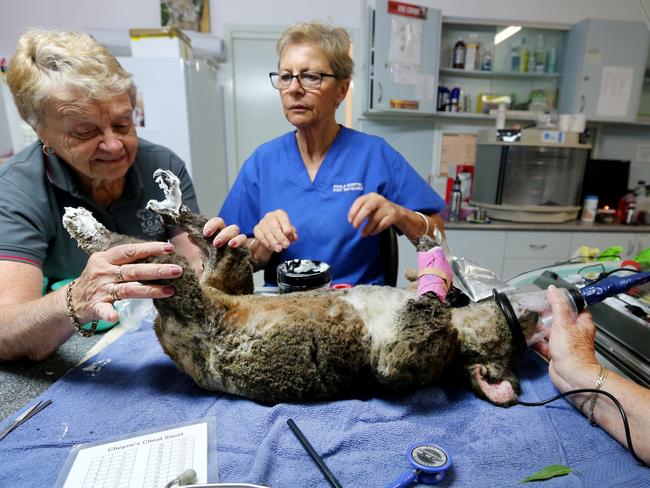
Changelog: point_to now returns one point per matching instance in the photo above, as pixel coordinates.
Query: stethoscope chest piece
(429, 463)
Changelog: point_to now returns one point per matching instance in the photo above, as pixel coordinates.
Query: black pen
(314, 455)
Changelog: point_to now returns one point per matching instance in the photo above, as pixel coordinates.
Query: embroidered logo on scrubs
(151, 223)
(347, 187)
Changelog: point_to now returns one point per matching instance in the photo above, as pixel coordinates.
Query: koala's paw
(84, 228)
(170, 185)
(425, 243)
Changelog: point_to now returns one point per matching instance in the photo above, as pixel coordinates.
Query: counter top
(572, 226)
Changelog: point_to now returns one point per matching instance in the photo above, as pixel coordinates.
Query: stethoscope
(429, 463)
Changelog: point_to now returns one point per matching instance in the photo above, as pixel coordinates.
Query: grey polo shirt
(34, 190)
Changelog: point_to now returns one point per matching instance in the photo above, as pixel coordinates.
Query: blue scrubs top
(275, 177)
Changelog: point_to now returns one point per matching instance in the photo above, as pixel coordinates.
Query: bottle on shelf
(486, 61)
(515, 58)
(467, 102)
(472, 53)
(460, 50)
(454, 96)
(552, 60)
(540, 55)
(443, 98)
(524, 56)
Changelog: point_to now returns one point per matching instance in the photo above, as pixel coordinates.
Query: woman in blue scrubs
(324, 191)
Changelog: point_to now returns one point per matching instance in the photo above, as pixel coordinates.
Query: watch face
(429, 456)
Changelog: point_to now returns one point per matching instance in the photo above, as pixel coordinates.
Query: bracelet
(73, 315)
(426, 221)
(591, 400)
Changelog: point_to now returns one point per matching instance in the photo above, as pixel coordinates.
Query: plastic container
(472, 53)
(501, 117)
(589, 208)
(486, 61)
(524, 57)
(303, 275)
(520, 306)
(515, 58)
(552, 60)
(527, 302)
(454, 95)
(629, 214)
(443, 98)
(540, 55)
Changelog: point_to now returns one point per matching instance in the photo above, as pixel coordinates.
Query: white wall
(347, 13)
(17, 15)
(123, 14)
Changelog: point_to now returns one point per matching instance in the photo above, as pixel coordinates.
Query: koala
(310, 346)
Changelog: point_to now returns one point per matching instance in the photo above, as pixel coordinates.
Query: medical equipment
(518, 304)
(429, 462)
(24, 417)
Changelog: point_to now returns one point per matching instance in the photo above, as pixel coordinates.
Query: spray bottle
(523, 307)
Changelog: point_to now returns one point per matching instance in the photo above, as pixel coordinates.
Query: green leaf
(550, 471)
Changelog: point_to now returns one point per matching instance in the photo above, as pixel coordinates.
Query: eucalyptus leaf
(550, 471)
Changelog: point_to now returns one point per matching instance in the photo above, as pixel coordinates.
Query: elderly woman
(324, 191)
(79, 100)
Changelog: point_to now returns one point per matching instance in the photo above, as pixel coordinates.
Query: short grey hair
(333, 41)
(46, 62)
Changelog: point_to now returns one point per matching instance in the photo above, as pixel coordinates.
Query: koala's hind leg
(227, 269)
(89, 233)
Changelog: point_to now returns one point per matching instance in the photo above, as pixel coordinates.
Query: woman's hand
(225, 234)
(379, 212)
(112, 275)
(275, 232)
(570, 346)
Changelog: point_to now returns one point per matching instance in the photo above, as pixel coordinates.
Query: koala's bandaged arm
(434, 273)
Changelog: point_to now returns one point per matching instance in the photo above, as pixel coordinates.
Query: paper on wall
(615, 91)
(405, 41)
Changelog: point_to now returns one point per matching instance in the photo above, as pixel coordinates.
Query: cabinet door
(538, 245)
(604, 68)
(483, 247)
(527, 251)
(404, 48)
(602, 240)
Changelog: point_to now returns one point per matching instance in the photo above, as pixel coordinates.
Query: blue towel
(133, 386)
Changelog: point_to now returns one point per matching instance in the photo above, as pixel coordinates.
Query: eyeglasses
(309, 80)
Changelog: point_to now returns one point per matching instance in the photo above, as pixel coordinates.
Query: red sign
(407, 9)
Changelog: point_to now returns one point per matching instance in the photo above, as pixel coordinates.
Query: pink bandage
(434, 273)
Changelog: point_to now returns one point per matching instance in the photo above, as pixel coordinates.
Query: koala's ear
(500, 391)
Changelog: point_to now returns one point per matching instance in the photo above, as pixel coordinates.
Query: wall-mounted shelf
(449, 116)
(490, 75)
